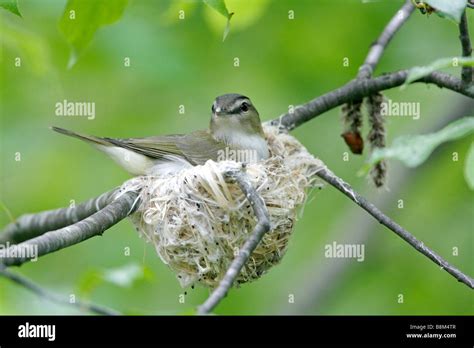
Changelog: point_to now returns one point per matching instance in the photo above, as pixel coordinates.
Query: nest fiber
(198, 222)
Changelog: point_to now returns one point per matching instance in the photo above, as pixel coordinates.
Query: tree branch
(38, 290)
(359, 88)
(32, 225)
(467, 72)
(52, 241)
(262, 227)
(346, 189)
(378, 47)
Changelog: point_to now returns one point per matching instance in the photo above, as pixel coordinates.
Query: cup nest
(198, 221)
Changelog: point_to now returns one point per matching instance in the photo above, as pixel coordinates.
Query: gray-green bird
(235, 133)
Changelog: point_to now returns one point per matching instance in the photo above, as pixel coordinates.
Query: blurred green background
(184, 62)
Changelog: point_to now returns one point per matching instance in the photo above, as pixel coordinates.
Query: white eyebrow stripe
(239, 102)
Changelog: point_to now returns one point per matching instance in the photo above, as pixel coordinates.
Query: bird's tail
(88, 138)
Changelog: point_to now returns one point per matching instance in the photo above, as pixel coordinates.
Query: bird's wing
(154, 147)
(196, 147)
(200, 146)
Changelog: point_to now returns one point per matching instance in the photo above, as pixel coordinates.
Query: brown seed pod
(354, 141)
(352, 118)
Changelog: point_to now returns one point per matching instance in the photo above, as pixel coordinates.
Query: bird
(235, 133)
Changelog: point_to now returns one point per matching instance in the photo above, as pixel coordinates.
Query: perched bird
(235, 133)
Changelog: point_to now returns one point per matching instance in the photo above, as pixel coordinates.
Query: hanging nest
(198, 222)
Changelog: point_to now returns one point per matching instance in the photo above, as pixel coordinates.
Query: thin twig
(378, 47)
(346, 189)
(467, 73)
(358, 89)
(262, 227)
(53, 297)
(32, 225)
(52, 241)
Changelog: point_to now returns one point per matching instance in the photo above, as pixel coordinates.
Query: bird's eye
(244, 107)
(213, 108)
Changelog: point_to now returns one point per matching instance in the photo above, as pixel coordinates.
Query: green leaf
(227, 27)
(220, 6)
(247, 15)
(469, 167)
(418, 72)
(452, 9)
(413, 150)
(82, 18)
(10, 5)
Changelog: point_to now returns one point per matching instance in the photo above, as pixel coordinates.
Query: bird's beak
(218, 111)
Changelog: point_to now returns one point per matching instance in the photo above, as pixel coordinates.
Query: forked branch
(91, 226)
(29, 226)
(360, 88)
(378, 47)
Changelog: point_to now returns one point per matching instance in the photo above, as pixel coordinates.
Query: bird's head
(234, 115)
